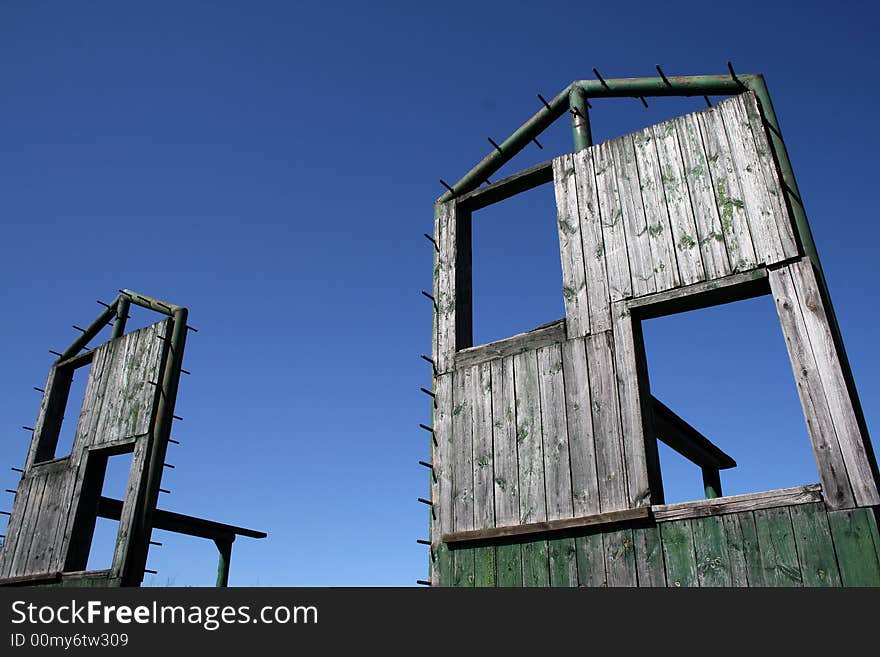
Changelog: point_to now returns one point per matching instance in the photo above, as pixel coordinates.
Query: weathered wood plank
(550, 526)
(649, 556)
(484, 479)
(712, 554)
(782, 222)
(519, 182)
(635, 225)
(463, 567)
(737, 503)
(552, 333)
(593, 242)
(620, 561)
(742, 548)
(127, 520)
(563, 562)
(708, 223)
(590, 553)
(532, 497)
(666, 275)
(820, 424)
(853, 444)
(30, 517)
(854, 535)
(610, 465)
(744, 156)
(444, 285)
(554, 431)
(462, 451)
(637, 418)
(441, 476)
(613, 234)
(779, 558)
(506, 480)
(574, 284)
(13, 527)
(536, 563)
(678, 553)
(815, 549)
(678, 434)
(39, 558)
(678, 203)
(484, 566)
(508, 562)
(728, 195)
(581, 446)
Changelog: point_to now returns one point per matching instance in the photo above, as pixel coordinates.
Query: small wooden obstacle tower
(128, 408)
(545, 468)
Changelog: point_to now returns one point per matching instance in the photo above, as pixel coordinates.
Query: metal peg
(432, 241)
(663, 76)
(537, 143)
(422, 541)
(426, 464)
(39, 389)
(447, 186)
(423, 582)
(497, 147)
(546, 104)
(601, 79)
(424, 501)
(708, 102)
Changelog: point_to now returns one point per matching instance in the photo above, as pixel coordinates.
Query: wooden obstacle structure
(128, 408)
(545, 468)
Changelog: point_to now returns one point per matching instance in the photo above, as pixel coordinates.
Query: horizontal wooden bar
(678, 434)
(77, 361)
(548, 334)
(519, 182)
(36, 578)
(181, 524)
(737, 503)
(548, 526)
(737, 287)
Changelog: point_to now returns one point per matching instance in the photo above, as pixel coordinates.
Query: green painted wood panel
(484, 566)
(620, 561)
(678, 553)
(508, 565)
(815, 550)
(563, 562)
(779, 558)
(711, 551)
(536, 563)
(590, 555)
(650, 569)
(444, 565)
(463, 567)
(853, 532)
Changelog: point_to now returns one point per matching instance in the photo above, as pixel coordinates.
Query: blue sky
(272, 166)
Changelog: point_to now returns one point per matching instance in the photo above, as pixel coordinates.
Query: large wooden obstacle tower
(545, 468)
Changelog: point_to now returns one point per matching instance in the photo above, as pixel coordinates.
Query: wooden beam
(736, 503)
(545, 335)
(519, 182)
(676, 433)
(181, 524)
(548, 526)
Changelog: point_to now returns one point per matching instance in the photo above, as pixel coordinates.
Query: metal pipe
(225, 550)
(93, 329)
(149, 302)
(580, 119)
(148, 492)
(712, 482)
(676, 85)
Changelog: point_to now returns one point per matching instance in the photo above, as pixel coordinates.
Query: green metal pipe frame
(580, 119)
(225, 551)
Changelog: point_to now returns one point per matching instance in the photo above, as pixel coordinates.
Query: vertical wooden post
(712, 482)
(224, 547)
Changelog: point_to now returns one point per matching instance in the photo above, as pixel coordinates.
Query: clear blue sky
(272, 165)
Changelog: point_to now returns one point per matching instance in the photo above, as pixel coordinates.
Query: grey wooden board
(574, 284)
(462, 451)
(444, 285)
(852, 443)
(678, 204)
(484, 494)
(699, 184)
(13, 525)
(554, 431)
(762, 223)
(665, 267)
(728, 194)
(738, 548)
(737, 503)
(41, 552)
(634, 222)
(606, 422)
(613, 233)
(593, 242)
(780, 216)
(529, 440)
(551, 333)
(506, 475)
(632, 391)
(581, 445)
(443, 466)
(21, 559)
(817, 412)
(127, 519)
